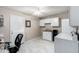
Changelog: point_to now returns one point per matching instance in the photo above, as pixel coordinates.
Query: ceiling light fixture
(39, 11)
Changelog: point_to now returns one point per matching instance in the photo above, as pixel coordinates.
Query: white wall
(34, 31)
(74, 16)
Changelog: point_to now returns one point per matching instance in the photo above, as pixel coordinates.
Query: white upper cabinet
(74, 16)
(52, 21)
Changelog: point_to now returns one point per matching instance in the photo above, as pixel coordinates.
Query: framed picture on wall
(28, 23)
(1, 20)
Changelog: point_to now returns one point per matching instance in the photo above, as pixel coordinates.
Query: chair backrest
(18, 40)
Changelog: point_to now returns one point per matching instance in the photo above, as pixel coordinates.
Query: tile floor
(37, 45)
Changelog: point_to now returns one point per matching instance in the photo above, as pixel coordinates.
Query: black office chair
(17, 44)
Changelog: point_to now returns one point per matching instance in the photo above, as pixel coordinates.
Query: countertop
(47, 30)
(66, 36)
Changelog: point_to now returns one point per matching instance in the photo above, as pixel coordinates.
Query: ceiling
(40, 11)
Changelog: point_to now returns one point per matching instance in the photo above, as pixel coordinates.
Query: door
(17, 25)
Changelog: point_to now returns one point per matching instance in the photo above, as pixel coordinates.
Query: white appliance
(66, 28)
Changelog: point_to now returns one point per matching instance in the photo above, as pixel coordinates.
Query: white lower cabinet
(47, 35)
(66, 46)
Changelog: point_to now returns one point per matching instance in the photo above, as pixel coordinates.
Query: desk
(1, 44)
(5, 44)
(4, 47)
(1, 40)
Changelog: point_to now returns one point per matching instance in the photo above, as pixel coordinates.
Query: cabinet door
(74, 16)
(47, 36)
